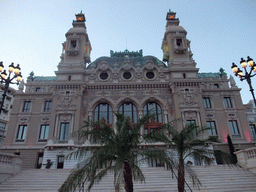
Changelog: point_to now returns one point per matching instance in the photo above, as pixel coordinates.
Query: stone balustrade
(9, 165)
(247, 158)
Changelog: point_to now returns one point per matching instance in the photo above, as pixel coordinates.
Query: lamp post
(7, 79)
(248, 74)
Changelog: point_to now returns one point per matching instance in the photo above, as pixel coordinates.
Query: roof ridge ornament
(126, 53)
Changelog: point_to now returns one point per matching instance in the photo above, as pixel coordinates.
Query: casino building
(47, 109)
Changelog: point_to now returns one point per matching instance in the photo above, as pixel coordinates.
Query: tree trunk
(181, 175)
(127, 172)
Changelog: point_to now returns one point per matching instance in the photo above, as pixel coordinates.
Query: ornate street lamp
(14, 73)
(248, 74)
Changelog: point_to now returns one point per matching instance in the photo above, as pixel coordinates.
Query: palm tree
(117, 149)
(186, 143)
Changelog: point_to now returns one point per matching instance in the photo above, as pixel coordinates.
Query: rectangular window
(2, 125)
(73, 43)
(26, 106)
(64, 131)
(60, 162)
(234, 128)
(216, 86)
(207, 103)
(8, 98)
(212, 126)
(253, 130)
(192, 122)
(44, 131)
(47, 106)
(21, 134)
(38, 89)
(178, 42)
(227, 101)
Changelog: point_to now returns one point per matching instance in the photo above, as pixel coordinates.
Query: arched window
(157, 121)
(153, 107)
(129, 110)
(103, 112)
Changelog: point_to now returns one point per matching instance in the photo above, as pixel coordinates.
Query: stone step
(213, 179)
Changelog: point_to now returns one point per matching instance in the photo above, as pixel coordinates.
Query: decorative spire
(80, 20)
(232, 82)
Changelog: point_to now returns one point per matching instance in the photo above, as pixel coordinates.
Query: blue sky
(221, 32)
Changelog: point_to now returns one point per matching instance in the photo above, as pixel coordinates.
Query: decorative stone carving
(103, 100)
(45, 119)
(103, 66)
(152, 99)
(137, 65)
(23, 119)
(127, 65)
(189, 101)
(149, 65)
(66, 103)
(232, 82)
(138, 75)
(190, 115)
(65, 117)
(127, 100)
(115, 65)
(21, 86)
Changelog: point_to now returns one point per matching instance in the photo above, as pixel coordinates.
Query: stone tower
(176, 49)
(76, 51)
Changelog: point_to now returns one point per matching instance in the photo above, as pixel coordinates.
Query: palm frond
(193, 176)
(75, 179)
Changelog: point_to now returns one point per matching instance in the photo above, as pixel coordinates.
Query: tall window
(207, 103)
(21, 134)
(253, 130)
(103, 111)
(44, 131)
(153, 107)
(212, 126)
(129, 110)
(47, 106)
(64, 131)
(192, 122)
(155, 123)
(26, 106)
(234, 128)
(227, 101)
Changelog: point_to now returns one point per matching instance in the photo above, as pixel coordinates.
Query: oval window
(104, 76)
(127, 75)
(150, 75)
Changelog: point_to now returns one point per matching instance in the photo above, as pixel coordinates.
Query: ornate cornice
(121, 87)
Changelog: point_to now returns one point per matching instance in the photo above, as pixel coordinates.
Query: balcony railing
(247, 158)
(9, 165)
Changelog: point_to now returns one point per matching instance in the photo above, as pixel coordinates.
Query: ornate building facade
(49, 109)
